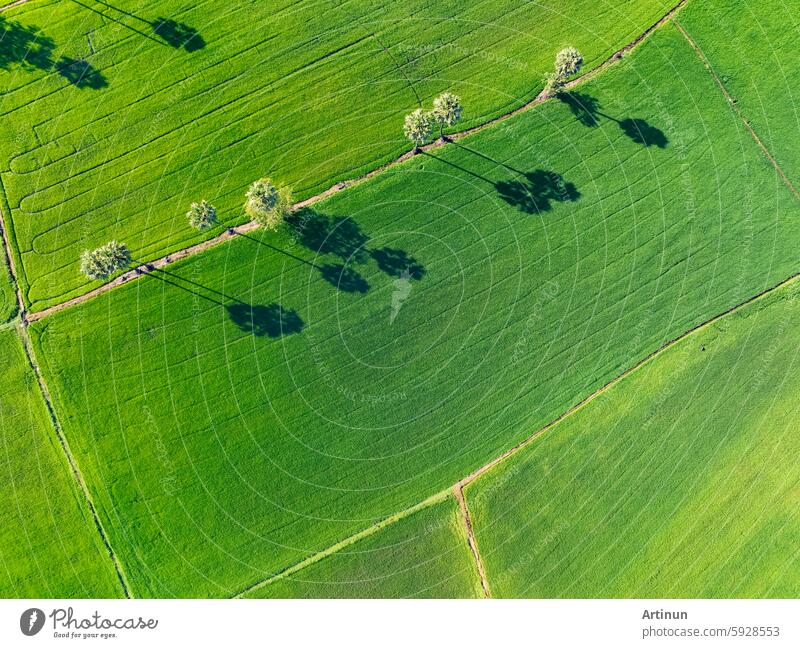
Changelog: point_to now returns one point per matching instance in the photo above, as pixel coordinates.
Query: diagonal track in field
(458, 487)
(736, 108)
(339, 186)
(458, 491)
(48, 401)
(76, 472)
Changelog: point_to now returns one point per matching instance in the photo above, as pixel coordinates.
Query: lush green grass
(49, 546)
(8, 298)
(681, 481)
(424, 555)
(752, 46)
(307, 92)
(220, 455)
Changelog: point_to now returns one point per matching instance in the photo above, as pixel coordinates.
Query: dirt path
(13, 4)
(434, 499)
(458, 487)
(339, 186)
(736, 108)
(9, 259)
(471, 541)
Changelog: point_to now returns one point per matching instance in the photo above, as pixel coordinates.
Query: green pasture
(49, 546)
(424, 555)
(117, 115)
(752, 46)
(679, 482)
(257, 403)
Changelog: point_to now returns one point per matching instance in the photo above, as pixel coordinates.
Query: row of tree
(268, 203)
(447, 109)
(265, 202)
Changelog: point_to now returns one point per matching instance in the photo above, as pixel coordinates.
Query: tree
(267, 203)
(568, 63)
(202, 215)
(418, 127)
(105, 261)
(447, 111)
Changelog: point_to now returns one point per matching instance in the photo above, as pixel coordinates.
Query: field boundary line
(471, 541)
(13, 4)
(231, 232)
(433, 499)
(736, 108)
(29, 352)
(9, 259)
(460, 485)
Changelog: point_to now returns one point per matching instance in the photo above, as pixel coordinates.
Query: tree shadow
(396, 262)
(27, 47)
(80, 73)
(537, 191)
(643, 133)
(587, 110)
(344, 278)
(272, 320)
(177, 34)
(585, 107)
(334, 235)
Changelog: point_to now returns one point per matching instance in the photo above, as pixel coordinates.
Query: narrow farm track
(473, 543)
(29, 352)
(735, 107)
(13, 4)
(168, 259)
(9, 259)
(458, 487)
(435, 499)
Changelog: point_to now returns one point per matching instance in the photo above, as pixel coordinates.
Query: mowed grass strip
(49, 546)
(262, 401)
(424, 555)
(765, 83)
(114, 125)
(680, 482)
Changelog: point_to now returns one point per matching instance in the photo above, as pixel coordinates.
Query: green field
(423, 555)
(679, 482)
(49, 547)
(766, 82)
(268, 398)
(8, 300)
(114, 125)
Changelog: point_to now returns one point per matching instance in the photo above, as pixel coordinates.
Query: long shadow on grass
(586, 109)
(343, 238)
(272, 320)
(28, 48)
(530, 191)
(162, 30)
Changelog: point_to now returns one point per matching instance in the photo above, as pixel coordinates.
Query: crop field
(48, 545)
(679, 482)
(552, 356)
(765, 83)
(250, 406)
(423, 555)
(8, 300)
(117, 115)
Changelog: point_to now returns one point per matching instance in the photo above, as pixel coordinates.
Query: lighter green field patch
(49, 546)
(424, 555)
(680, 482)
